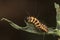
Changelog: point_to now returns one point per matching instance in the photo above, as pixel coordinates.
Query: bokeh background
(16, 10)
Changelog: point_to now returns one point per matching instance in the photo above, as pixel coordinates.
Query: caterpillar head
(29, 19)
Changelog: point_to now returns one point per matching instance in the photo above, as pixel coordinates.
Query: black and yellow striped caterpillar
(37, 23)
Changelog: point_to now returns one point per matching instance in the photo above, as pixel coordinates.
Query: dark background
(16, 10)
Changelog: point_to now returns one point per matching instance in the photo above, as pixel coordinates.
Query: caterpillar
(37, 23)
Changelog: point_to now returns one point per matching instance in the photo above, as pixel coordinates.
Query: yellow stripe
(32, 19)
